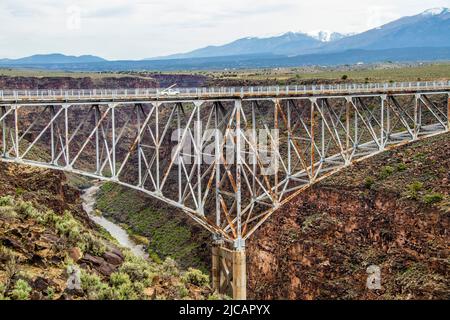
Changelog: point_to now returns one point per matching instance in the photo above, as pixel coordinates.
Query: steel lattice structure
(128, 138)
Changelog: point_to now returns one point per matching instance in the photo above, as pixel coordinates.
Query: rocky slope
(391, 211)
(48, 243)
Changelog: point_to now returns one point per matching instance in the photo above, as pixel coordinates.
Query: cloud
(134, 29)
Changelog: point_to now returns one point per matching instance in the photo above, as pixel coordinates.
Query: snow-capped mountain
(327, 36)
(430, 28)
(435, 11)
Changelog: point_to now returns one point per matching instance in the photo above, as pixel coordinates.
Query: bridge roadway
(216, 94)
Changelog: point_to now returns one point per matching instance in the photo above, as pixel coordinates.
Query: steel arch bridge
(138, 138)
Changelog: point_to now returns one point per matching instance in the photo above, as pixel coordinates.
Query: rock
(97, 261)
(114, 250)
(75, 254)
(106, 269)
(112, 258)
(40, 284)
(150, 292)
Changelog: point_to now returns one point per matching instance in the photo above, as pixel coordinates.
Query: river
(116, 231)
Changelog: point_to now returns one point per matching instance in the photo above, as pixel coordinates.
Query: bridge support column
(229, 271)
(239, 275)
(215, 266)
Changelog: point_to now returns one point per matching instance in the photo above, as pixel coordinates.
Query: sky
(138, 29)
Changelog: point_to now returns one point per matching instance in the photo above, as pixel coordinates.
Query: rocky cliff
(391, 211)
(49, 249)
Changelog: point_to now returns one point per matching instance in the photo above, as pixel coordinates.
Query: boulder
(113, 258)
(75, 254)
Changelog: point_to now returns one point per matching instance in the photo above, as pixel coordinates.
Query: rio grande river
(117, 232)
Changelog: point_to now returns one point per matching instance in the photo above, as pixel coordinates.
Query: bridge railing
(86, 94)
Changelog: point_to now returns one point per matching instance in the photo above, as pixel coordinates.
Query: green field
(372, 74)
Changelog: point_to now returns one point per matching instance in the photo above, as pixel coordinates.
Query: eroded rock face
(320, 245)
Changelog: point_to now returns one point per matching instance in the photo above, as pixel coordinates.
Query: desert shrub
(50, 292)
(183, 292)
(170, 267)
(6, 201)
(413, 189)
(431, 198)
(92, 244)
(137, 269)
(196, 277)
(94, 287)
(21, 290)
(7, 212)
(401, 167)
(154, 256)
(3, 292)
(20, 191)
(369, 182)
(26, 209)
(386, 171)
(217, 296)
(119, 278)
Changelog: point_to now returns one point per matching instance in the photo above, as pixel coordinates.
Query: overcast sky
(136, 29)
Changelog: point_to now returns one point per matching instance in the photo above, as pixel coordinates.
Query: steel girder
(141, 145)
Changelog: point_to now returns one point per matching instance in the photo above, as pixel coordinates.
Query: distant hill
(52, 58)
(286, 44)
(258, 61)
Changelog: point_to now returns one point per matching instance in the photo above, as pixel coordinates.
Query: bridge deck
(189, 94)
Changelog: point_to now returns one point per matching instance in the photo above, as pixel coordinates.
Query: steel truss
(131, 143)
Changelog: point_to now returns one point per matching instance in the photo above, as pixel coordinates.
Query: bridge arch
(159, 146)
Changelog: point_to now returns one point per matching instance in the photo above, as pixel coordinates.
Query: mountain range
(430, 28)
(422, 37)
(52, 58)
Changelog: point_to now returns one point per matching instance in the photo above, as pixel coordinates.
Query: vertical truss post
(180, 186)
(313, 102)
(239, 241)
(388, 120)
(16, 131)
(289, 138)
(113, 128)
(448, 112)
(198, 159)
(275, 123)
(157, 147)
(3, 115)
(139, 144)
(382, 137)
(239, 264)
(348, 109)
(355, 144)
(52, 134)
(217, 160)
(416, 116)
(97, 140)
(66, 133)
